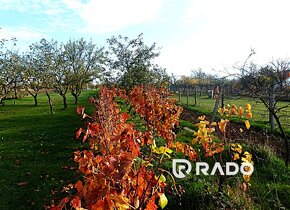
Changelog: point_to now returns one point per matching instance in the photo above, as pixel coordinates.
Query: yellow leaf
(213, 124)
(237, 148)
(162, 200)
(246, 178)
(247, 123)
(248, 107)
(236, 156)
(146, 163)
(222, 125)
(194, 141)
(161, 178)
(201, 117)
(221, 111)
(163, 150)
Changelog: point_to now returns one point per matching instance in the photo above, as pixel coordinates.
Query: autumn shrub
(127, 168)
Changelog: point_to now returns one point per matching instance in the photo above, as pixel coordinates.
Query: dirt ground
(253, 136)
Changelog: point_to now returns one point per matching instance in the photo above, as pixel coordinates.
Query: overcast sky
(210, 34)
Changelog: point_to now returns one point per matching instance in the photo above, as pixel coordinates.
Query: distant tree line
(76, 64)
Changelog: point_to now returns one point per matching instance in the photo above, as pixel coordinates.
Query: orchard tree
(84, 61)
(131, 62)
(34, 71)
(62, 76)
(41, 63)
(270, 84)
(11, 74)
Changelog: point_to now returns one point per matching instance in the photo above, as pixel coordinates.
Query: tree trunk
(281, 130)
(64, 102)
(76, 99)
(271, 106)
(76, 95)
(49, 101)
(200, 90)
(216, 106)
(15, 92)
(35, 99)
(284, 137)
(194, 96)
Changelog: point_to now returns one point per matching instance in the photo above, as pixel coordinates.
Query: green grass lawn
(36, 150)
(260, 115)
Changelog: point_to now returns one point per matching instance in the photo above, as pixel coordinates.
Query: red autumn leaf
(79, 185)
(151, 205)
(86, 136)
(78, 133)
(76, 202)
(93, 129)
(100, 205)
(192, 154)
(125, 116)
(63, 202)
(91, 100)
(80, 110)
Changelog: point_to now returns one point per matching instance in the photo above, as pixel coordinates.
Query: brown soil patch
(253, 136)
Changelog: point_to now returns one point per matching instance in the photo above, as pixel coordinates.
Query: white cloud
(22, 33)
(111, 15)
(221, 33)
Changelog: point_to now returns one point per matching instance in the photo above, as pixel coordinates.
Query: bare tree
(270, 84)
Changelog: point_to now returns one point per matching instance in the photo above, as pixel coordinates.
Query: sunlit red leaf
(63, 202)
(249, 115)
(125, 116)
(93, 128)
(80, 110)
(79, 185)
(79, 132)
(76, 202)
(151, 205)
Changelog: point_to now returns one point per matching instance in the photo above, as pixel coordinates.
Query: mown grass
(36, 150)
(260, 114)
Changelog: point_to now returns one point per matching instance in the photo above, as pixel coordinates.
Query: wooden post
(179, 93)
(216, 106)
(194, 96)
(187, 94)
